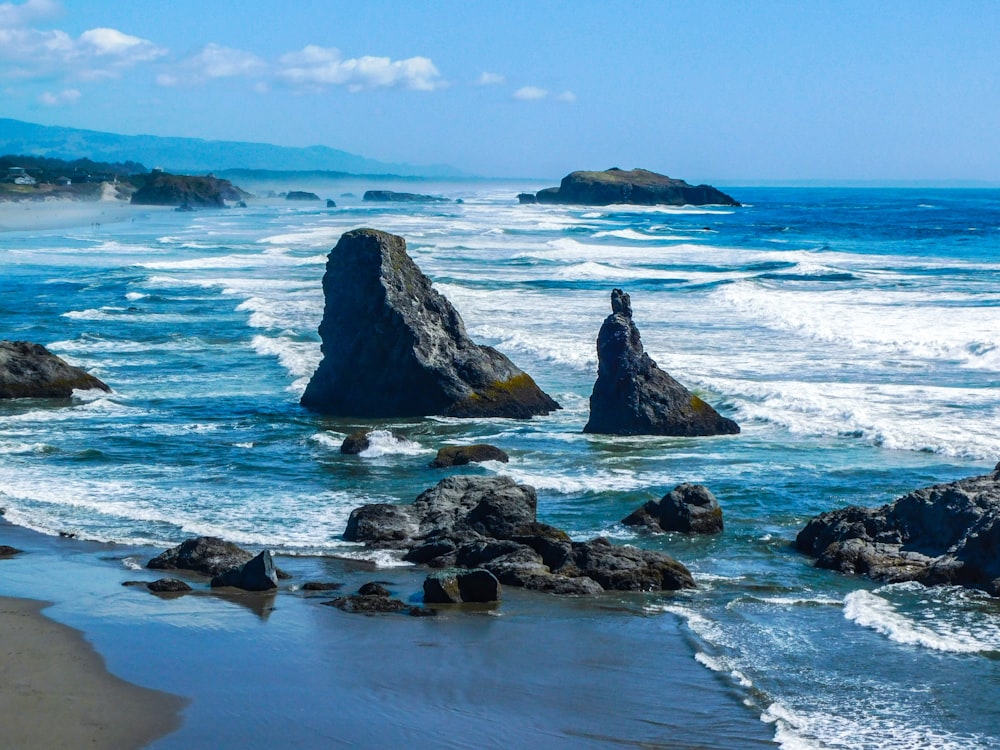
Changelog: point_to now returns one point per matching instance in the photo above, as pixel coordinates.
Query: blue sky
(707, 91)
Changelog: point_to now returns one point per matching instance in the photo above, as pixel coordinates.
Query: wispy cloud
(212, 62)
(318, 68)
(66, 96)
(536, 94)
(490, 79)
(530, 93)
(27, 52)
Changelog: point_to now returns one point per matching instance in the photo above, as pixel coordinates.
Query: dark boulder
(331, 203)
(373, 598)
(360, 441)
(636, 186)
(460, 455)
(945, 534)
(301, 195)
(257, 574)
(208, 555)
(31, 371)
(490, 523)
(458, 586)
(6, 551)
(321, 586)
(394, 347)
(633, 396)
(168, 586)
(690, 508)
(526, 198)
(390, 196)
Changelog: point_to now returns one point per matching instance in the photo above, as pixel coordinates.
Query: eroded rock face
(490, 523)
(208, 555)
(394, 347)
(945, 534)
(30, 370)
(257, 574)
(636, 186)
(633, 396)
(690, 508)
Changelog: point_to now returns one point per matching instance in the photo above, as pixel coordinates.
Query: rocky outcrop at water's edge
(30, 370)
(944, 534)
(490, 523)
(636, 186)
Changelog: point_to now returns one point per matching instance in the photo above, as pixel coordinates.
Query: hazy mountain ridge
(194, 154)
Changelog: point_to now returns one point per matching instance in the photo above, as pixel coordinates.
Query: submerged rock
(636, 186)
(394, 347)
(490, 523)
(690, 508)
(460, 455)
(6, 551)
(633, 396)
(373, 598)
(168, 586)
(30, 370)
(945, 534)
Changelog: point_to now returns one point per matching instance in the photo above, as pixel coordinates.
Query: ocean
(854, 334)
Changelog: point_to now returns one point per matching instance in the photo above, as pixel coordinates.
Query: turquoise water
(852, 333)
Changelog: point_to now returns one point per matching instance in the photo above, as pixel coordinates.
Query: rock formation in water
(632, 396)
(389, 196)
(31, 371)
(690, 508)
(394, 347)
(637, 186)
(945, 534)
(460, 455)
(301, 195)
(490, 523)
(165, 189)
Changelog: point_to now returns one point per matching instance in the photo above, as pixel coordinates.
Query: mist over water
(853, 334)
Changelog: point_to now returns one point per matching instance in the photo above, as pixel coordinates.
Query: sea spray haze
(853, 334)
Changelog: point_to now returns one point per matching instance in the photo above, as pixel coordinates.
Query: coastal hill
(636, 186)
(164, 189)
(194, 154)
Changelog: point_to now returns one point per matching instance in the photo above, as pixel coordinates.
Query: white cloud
(318, 68)
(530, 93)
(213, 61)
(33, 53)
(567, 96)
(34, 10)
(490, 79)
(66, 96)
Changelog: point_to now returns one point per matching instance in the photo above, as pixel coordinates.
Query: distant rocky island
(637, 186)
(164, 189)
(391, 196)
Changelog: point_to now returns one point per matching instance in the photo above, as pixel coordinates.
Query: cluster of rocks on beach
(395, 347)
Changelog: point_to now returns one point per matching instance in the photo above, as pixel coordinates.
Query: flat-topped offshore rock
(30, 370)
(390, 196)
(195, 191)
(944, 534)
(632, 396)
(395, 347)
(636, 186)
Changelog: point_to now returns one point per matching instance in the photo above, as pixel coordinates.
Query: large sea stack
(394, 347)
(636, 186)
(945, 534)
(632, 396)
(31, 371)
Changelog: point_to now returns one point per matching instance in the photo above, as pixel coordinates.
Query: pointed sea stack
(632, 396)
(394, 347)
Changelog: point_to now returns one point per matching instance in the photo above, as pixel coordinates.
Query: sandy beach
(285, 671)
(26, 216)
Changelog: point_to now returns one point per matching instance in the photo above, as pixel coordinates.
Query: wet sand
(55, 691)
(285, 671)
(33, 216)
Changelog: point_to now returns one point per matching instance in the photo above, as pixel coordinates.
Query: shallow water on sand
(852, 333)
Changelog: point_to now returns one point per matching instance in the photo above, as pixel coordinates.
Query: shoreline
(49, 670)
(45, 215)
(262, 670)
